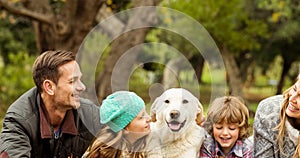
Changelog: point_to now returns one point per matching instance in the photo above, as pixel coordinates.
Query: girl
(227, 126)
(128, 129)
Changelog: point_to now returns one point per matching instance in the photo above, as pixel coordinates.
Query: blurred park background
(258, 40)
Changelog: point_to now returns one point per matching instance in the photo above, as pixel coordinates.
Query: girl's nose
(147, 117)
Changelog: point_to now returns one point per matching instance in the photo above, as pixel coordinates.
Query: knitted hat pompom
(119, 109)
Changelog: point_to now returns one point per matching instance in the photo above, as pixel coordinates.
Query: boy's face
(226, 134)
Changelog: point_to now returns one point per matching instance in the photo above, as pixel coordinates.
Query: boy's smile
(226, 135)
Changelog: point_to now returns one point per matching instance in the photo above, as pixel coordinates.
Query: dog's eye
(167, 101)
(185, 101)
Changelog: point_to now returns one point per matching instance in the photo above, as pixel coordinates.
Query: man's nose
(80, 86)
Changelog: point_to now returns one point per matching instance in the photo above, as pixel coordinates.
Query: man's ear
(49, 87)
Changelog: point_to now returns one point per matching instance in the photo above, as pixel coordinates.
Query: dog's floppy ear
(199, 117)
(153, 110)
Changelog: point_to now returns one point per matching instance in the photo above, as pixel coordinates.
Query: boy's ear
(49, 87)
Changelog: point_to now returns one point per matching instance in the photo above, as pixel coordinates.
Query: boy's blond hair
(228, 109)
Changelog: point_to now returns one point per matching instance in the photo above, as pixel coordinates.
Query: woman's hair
(110, 144)
(282, 127)
(228, 109)
(47, 64)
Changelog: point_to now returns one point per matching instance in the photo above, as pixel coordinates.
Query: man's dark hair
(46, 66)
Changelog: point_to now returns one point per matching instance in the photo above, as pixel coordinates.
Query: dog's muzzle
(175, 125)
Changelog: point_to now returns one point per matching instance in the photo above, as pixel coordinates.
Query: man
(51, 120)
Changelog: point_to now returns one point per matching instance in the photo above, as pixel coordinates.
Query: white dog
(175, 115)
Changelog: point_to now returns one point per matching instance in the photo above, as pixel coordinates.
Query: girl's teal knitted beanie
(120, 108)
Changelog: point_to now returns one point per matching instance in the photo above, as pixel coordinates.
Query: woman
(128, 129)
(277, 124)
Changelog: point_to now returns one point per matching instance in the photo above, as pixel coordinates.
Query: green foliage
(283, 17)
(8, 44)
(140, 83)
(95, 44)
(16, 42)
(283, 21)
(15, 78)
(16, 35)
(229, 22)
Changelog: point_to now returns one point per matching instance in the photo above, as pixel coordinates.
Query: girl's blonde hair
(111, 144)
(228, 109)
(282, 127)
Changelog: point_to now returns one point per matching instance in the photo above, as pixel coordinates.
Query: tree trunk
(175, 66)
(233, 73)
(65, 27)
(105, 82)
(171, 73)
(234, 77)
(198, 64)
(62, 27)
(78, 19)
(285, 69)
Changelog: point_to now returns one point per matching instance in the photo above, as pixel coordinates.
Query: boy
(227, 127)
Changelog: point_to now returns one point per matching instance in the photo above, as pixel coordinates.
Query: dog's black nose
(174, 114)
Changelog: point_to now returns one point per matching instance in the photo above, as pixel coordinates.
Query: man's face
(69, 86)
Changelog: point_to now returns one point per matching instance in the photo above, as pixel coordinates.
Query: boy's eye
(218, 127)
(233, 127)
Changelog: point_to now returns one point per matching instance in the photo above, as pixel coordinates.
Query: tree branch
(116, 26)
(25, 12)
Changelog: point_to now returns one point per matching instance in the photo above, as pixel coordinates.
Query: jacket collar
(236, 150)
(68, 125)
